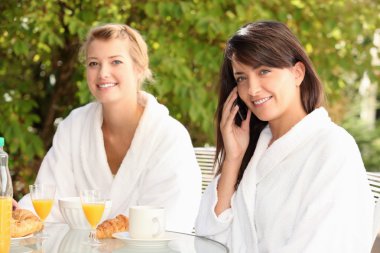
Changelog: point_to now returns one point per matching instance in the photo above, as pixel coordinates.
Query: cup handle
(156, 222)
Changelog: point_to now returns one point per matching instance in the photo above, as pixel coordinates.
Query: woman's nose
(104, 71)
(254, 87)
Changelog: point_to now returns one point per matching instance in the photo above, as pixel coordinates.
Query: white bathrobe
(307, 193)
(160, 167)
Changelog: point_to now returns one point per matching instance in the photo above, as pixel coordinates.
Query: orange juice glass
(42, 207)
(93, 213)
(93, 204)
(42, 196)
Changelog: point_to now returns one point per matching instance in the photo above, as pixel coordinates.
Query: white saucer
(20, 249)
(15, 239)
(154, 242)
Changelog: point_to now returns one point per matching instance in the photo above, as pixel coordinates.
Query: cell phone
(242, 112)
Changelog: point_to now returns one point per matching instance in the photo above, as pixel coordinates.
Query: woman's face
(270, 93)
(111, 72)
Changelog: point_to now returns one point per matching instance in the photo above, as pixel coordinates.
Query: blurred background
(42, 79)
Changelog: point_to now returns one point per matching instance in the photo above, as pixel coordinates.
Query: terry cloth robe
(160, 167)
(307, 193)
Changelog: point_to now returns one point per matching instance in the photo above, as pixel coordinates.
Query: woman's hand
(14, 205)
(235, 138)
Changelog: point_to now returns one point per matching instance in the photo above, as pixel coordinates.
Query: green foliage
(41, 78)
(368, 140)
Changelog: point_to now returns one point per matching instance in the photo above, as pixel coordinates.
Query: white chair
(205, 157)
(374, 182)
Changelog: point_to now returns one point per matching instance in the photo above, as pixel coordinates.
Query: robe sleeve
(337, 213)
(56, 169)
(173, 180)
(208, 223)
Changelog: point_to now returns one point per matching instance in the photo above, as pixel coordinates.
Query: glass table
(62, 239)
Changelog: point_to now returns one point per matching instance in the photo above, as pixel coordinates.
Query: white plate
(156, 242)
(20, 249)
(15, 239)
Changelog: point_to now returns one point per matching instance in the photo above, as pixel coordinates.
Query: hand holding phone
(242, 112)
(235, 127)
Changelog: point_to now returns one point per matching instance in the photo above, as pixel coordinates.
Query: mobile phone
(242, 112)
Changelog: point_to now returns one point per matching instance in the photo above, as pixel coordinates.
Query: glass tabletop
(62, 239)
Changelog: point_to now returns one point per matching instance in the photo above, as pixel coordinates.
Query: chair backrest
(205, 157)
(374, 182)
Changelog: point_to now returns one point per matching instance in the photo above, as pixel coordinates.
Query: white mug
(146, 222)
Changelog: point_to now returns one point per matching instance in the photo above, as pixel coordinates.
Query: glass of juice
(93, 204)
(42, 196)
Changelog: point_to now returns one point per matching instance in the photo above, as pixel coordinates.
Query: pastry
(24, 222)
(108, 227)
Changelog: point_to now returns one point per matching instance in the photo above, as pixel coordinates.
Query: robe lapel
(284, 146)
(266, 159)
(92, 152)
(135, 162)
(248, 188)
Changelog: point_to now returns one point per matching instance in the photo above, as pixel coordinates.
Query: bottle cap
(2, 141)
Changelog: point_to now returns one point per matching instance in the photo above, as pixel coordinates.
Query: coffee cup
(146, 222)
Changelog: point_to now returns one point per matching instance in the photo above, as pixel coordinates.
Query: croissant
(24, 222)
(108, 227)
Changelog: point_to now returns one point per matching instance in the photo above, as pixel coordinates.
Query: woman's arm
(236, 140)
(226, 186)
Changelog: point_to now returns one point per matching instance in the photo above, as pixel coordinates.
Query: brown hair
(272, 44)
(137, 46)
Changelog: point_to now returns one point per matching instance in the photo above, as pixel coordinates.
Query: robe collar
(135, 161)
(286, 144)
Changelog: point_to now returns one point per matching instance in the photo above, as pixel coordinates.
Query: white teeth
(261, 101)
(106, 85)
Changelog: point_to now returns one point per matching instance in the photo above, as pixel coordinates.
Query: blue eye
(264, 71)
(117, 62)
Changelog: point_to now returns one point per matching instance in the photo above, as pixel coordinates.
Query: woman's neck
(281, 126)
(121, 119)
(120, 122)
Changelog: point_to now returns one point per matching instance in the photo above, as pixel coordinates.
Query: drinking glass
(93, 204)
(42, 196)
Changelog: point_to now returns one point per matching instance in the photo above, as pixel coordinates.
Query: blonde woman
(125, 142)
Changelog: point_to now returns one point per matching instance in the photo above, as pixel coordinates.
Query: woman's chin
(263, 116)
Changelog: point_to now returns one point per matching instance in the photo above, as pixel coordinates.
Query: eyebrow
(257, 66)
(238, 73)
(115, 56)
(111, 57)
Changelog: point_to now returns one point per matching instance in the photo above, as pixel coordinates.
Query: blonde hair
(137, 46)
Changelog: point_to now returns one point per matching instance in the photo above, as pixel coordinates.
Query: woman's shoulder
(85, 109)
(337, 141)
(336, 134)
(158, 116)
(80, 114)
(170, 128)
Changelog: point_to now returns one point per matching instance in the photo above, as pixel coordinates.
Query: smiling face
(272, 94)
(111, 72)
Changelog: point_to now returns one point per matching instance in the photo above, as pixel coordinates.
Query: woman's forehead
(108, 47)
(238, 64)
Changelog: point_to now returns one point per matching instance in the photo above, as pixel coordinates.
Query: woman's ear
(139, 75)
(299, 72)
